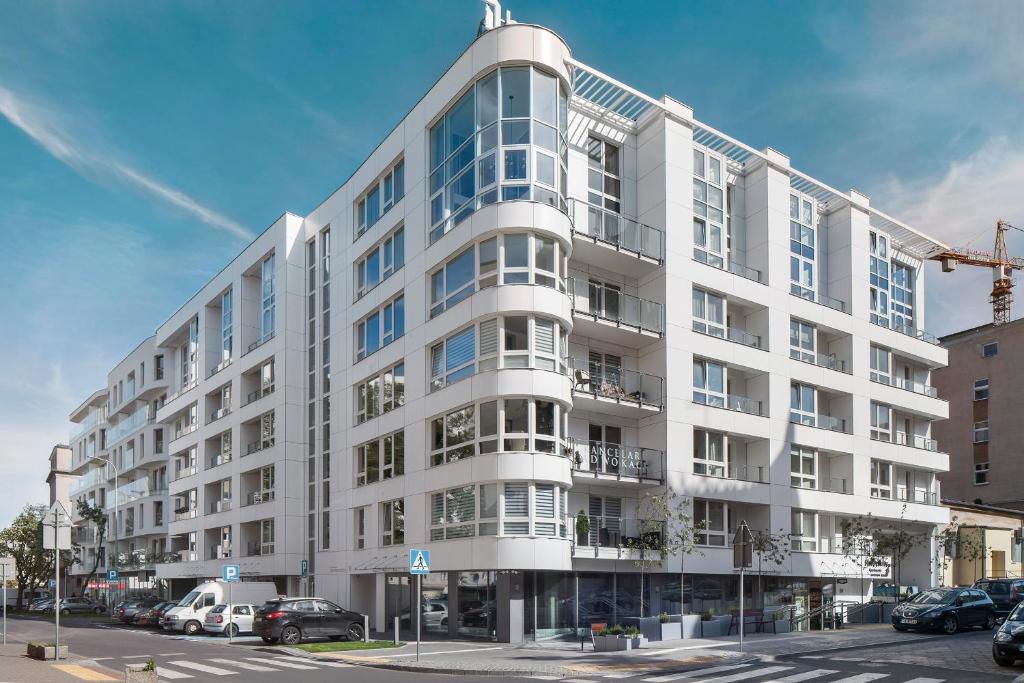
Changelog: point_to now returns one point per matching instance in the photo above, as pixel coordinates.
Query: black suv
(1008, 642)
(1005, 593)
(293, 620)
(948, 609)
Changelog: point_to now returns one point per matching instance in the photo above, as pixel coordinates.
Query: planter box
(690, 626)
(46, 651)
(611, 643)
(710, 629)
(135, 673)
(782, 626)
(671, 630)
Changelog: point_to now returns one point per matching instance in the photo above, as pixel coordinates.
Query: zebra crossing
(249, 668)
(771, 672)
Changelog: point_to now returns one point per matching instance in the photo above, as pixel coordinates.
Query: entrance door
(814, 603)
(999, 563)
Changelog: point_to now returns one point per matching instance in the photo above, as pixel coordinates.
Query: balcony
(253, 396)
(733, 334)
(259, 445)
(616, 391)
(259, 342)
(739, 404)
(220, 552)
(611, 462)
(257, 497)
(829, 362)
(185, 431)
(220, 366)
(259, 549)
(184, 472)
(128, 426)
(127, 494)
(903, 439)
(95, 418)
(906, 496)
(181, 514)
(187, 387)
(708, 259)
(220, 506)
(825, 484)
(615, 538)
(905, 384)
(819, 421)
(907, 330)
(220, 459)
(607, 313)
(611, 241)
(757, 474)
(817, 297)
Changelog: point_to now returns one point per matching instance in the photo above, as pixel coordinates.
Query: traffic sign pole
(56, 583)
(419, 564)
(3, 568)
(419, 612)
(230, 610)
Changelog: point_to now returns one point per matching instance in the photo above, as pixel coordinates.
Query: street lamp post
(110, 463)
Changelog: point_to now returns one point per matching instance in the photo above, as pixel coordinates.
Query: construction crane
(1002, 266)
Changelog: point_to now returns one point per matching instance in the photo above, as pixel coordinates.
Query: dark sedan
(293, 620)
(126, 613)
(152, 616)
(1008, 642)
(945, 609)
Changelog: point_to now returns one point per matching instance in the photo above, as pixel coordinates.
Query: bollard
(396, 630)
(366, 629)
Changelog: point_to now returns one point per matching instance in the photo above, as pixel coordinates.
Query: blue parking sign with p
(231, 572)
(111, 575)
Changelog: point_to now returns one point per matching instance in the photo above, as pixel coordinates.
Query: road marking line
(926, 680)
(861, 678)
(746, 675)
(338, 665)
(806, 676)
(441, 652)
(202, 667)
(290, 665)
(699, 672)
(79, 671)
(244, 665)
(648, 653)
(170, 674)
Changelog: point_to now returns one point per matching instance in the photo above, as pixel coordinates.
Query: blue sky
(142, 142)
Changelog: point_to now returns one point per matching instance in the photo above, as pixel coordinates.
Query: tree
(649, 541)
(23, 541)
(680, 534)
(769, 549)
(890, 540)
(953, 544)
(95, 515)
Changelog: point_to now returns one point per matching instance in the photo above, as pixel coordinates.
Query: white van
(190, 612)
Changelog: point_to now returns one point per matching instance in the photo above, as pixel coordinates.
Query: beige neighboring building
(994, 529)
(984, 433)
(60, 477)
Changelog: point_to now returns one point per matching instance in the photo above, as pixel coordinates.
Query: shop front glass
(550, 604)
(434, 603)
(477, 604)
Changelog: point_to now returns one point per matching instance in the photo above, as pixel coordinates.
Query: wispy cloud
(42, 126)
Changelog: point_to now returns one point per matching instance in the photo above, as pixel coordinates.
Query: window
(527, 259)
(381, 393)
(710, 241)
(881, 365)
(981, 431)
(503, 140)
(709, 453)
(803, 401)
(603, 174)
(708, 383)
(708, 313)
(981, 389)
(878, 303)
(990, 349)
(266, 537)
(393, 522)
(380, 197)
(881, 479)
(801, 247)
(902, 297)
(881, 425)
(158, 367)
(803, 467)
(360, 530)
(226, 327)
(268, 297)
(382, 458)
(802, 341)
(980, 473)
(804, 531)
(509, 425)
(380, 328)
(715, 518)
(380, 263)
(453, 513)
(189, 354)
(516, 508)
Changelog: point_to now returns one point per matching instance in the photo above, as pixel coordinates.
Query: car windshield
(993, 587)
(932, 598)
(188, 599)
(269, 606)
(1017, 614)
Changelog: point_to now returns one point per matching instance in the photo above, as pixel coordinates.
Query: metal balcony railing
(739, 404)
(623, 233)
(817, 297)
(715, 261)
(829, 362)
(828, 485)
(905, 384)
(257, 497)
(622, 461)
(601, 302)
(220, 459)
(732, 334)
(907, 330)
(757, 474)
(616, 532)
(258, 549)
(259, 445)
(220, 506)
(264, 390)
(820, 421)
(623, 386)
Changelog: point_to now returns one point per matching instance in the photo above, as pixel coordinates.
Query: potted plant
(609, 640)
(671, 628)
(635, 638)
(710, 627)
(141, 673)
(782, 623)
(582, 528)
(43, 650)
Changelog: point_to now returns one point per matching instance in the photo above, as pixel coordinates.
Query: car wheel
(291, 635)
(1004, 661)
(444, 622)
(354, 632)
(192, 628)
(98, 610)
(990, 622)
(950, 625)
(269, 641)
(232, 630)
(64, 612)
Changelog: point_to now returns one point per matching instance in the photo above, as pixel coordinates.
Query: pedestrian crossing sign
(419, 561)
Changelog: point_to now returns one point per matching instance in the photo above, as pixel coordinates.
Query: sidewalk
(15, 666)
(560, 659)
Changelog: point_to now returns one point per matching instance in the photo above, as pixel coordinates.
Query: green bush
(663, 618)
(616, 630)
(150, 666)
(632, 632)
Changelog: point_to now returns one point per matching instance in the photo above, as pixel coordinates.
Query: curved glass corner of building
(503, 140)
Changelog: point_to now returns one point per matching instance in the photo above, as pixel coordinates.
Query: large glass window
(380, 197)
(881, 370)
(803, 404)
(714, 516)
(502, 140)
(881, 421)
(381, 393)
(604, 177)
(710, 241)
(804, 531)
(878, 303)
(227, 334)
(802, 340)
(380, 328)
(708, 382)
(380, 263)
(708, 313)
(380, 459)
(981, 389)
(802, 247)
(269, 297)
(510, 425)
(709, 453)
(803, 467)
(393, 522)
(902, 297)
(881, 479)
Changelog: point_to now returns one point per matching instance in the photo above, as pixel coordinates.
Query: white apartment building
(542, 296)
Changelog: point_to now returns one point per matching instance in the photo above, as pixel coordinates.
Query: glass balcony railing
(184, 389)
(259, 445)
(185, 513)
(904, 439)
(733, 334)
(220, 506)
(828, 485)
(126, 494)
(93, 419)
(129, 425)
(615, 532)
(623, 386)
(820, 421)
(817, 297)
(715, 261)
(906, 496)
(829, 362)
(602, 457)
(258, 549)
(257, 497)
(219, 459)
(740, 404)
(265, 390)
(612, 305)
(721, 470)
(905, 384)
(617, 231)
(908, 330)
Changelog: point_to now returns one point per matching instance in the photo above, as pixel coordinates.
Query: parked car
(40, 605)
(78, 606)
(152, 616)
(240, 621)
(189, 614)
(435, 615)
(1005, 593)
(947, 609)
(293, 620)
(1008, 642)
(126, 614)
